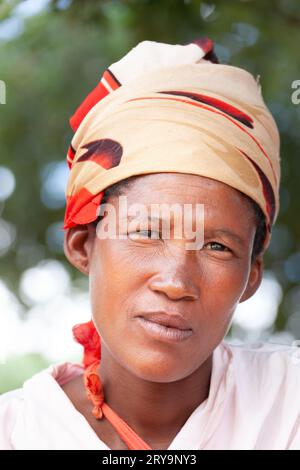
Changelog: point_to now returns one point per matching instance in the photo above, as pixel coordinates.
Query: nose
(177, 279)
(174, 288)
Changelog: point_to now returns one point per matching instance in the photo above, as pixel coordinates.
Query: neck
(154, 410)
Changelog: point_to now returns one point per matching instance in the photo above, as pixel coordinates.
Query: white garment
(253, 403)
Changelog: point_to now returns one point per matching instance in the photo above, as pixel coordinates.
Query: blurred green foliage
(18, 369)
(60, 56)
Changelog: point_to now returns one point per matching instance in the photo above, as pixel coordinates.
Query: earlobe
(77, 247)
(255, 278)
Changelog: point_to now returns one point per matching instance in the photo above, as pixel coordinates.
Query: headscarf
(167, 108)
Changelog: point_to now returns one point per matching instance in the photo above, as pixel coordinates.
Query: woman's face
(136, 275)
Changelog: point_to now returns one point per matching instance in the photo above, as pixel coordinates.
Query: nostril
(175, 290)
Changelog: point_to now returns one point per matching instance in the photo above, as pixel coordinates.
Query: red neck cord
(87, 335)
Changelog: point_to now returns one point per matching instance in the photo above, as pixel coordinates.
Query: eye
(223, 247)
(144, 234)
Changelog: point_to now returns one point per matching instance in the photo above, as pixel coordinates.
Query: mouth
(165, 326)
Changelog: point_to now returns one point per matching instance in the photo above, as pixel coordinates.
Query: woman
(166, 125)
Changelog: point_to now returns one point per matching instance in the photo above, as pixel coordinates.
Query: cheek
(113, 285)
(222, 287)
(227, 282)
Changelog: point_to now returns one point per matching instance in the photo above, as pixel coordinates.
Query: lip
(171, 320)
(165, 326)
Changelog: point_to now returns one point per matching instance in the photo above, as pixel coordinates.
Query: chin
(157, 368)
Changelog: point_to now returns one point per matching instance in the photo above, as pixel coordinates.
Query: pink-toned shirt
(253, 403)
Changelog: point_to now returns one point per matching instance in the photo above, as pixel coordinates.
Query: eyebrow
(222, 231)
(149, 219)
(227, 233)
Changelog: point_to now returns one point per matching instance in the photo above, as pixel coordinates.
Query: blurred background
(52, 53)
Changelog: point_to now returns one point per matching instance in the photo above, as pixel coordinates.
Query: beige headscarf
(173, 108)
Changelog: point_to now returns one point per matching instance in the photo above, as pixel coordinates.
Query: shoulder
(265, 365)
(268, 359)
(17, 405)
(266, 384)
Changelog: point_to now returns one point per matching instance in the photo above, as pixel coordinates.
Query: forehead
(186, 188)
(225, 208)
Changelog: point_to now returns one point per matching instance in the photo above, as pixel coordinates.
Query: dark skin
(153, 385)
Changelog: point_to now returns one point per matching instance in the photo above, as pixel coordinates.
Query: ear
(255, 278)
(78, 243)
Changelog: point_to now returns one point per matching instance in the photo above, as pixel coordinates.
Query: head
(172, 112)
(134, 275)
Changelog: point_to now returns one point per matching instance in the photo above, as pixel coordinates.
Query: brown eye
(223, 247)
